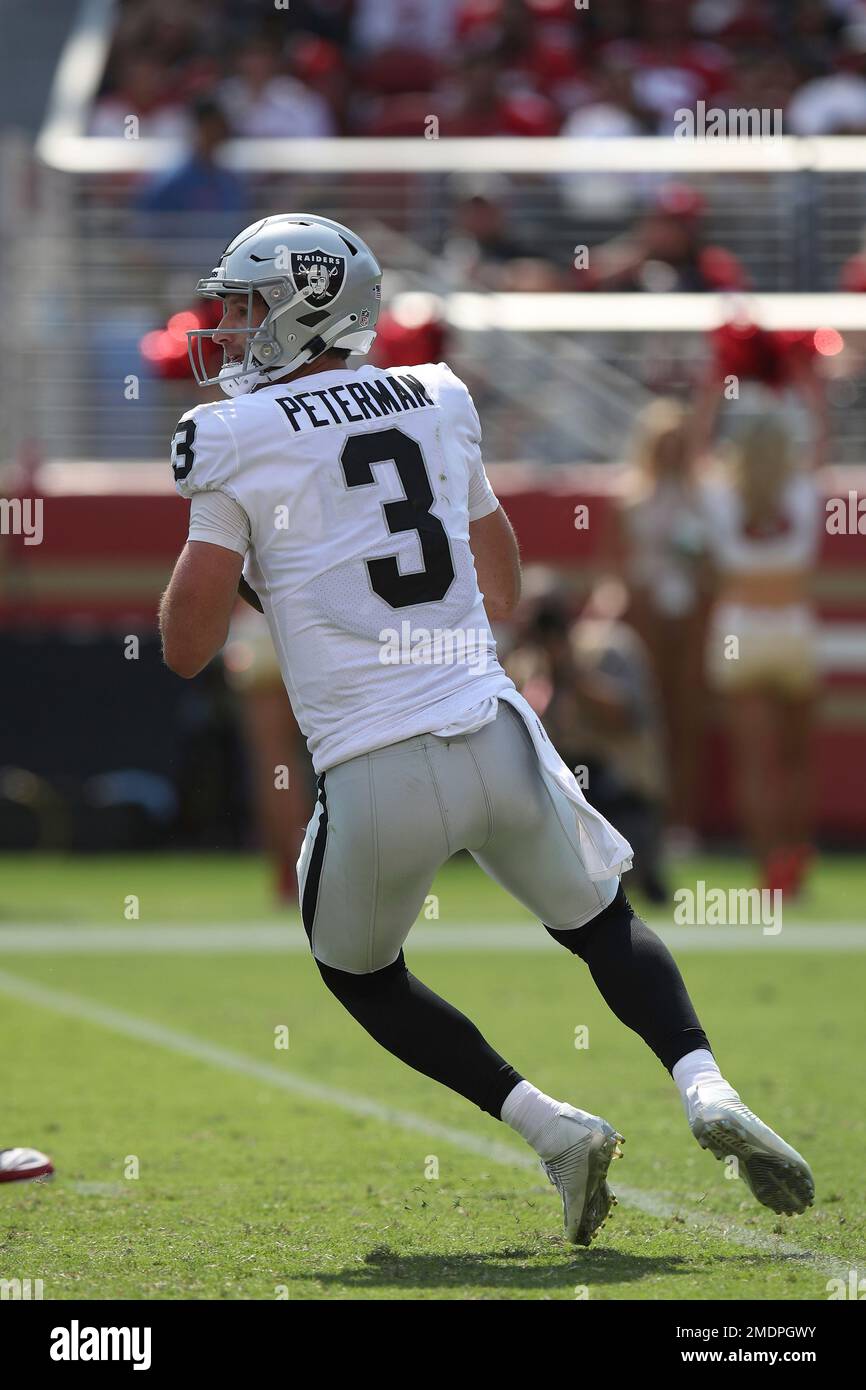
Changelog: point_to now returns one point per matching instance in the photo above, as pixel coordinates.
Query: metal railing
(557, 376)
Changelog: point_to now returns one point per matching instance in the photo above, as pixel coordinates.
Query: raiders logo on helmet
(324, 274)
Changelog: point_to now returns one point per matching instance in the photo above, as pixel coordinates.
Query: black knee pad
(618, 913)
(349, 988)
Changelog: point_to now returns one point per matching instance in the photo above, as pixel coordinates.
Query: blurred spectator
(834, 104)
(179, 37)
(555, 53)
(810, 34)
(263, 103)
(144, 91)
(197, 184)
(611, 22)
(493, 66)
(321, 66)
(480, 249)
(672, 69)
(664, 252)
(480, 98)
(613, 112)
(400, 46)
(190, 212)
(733, 19)
(613, 109)
(763, 529)
(415, 26)
(591, 684)
(762, 81)
(658, 544)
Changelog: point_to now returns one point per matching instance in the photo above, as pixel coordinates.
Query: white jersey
(350, 495)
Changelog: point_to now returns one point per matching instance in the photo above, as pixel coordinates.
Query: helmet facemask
(260, 346)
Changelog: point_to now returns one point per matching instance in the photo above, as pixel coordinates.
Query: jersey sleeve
(482, 498)
(203, 454)
(217, 518)
(466, 426)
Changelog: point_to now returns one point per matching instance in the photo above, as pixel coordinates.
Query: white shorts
(386, 821)
(772, 648)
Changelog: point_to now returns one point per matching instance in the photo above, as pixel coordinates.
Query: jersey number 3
(182, 451)
(411, 513)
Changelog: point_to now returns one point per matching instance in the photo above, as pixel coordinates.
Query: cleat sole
(776, 1182)
(600, 1201)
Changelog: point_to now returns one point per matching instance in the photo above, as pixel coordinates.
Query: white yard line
(266, 938)
(184, 1044)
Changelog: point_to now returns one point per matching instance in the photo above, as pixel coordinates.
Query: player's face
(234, 322)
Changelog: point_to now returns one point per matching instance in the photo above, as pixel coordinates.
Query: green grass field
(197, 1159)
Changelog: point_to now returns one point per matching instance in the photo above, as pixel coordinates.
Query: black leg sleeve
(425, 1032)
(638, 979)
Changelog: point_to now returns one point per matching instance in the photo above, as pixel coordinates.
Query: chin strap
(235, 383)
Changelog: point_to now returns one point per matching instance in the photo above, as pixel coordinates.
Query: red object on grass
(23, 1165)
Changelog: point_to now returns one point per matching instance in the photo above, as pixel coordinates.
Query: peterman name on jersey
(358, 487)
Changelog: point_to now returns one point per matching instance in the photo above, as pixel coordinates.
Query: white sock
(534, 1116)
(696, 1066)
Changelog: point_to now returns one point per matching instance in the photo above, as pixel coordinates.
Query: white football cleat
(775, 1173)
(579, 1172)
(23, 1165)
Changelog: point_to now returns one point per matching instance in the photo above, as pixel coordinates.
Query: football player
(353, 507)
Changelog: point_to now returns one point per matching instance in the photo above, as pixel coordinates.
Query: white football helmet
(322, 285)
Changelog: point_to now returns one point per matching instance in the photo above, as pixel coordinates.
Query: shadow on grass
(508, 1268)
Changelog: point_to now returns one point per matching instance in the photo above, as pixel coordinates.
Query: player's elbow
(186, 672)
(501, 603)
(182, 661)
(187, 647)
